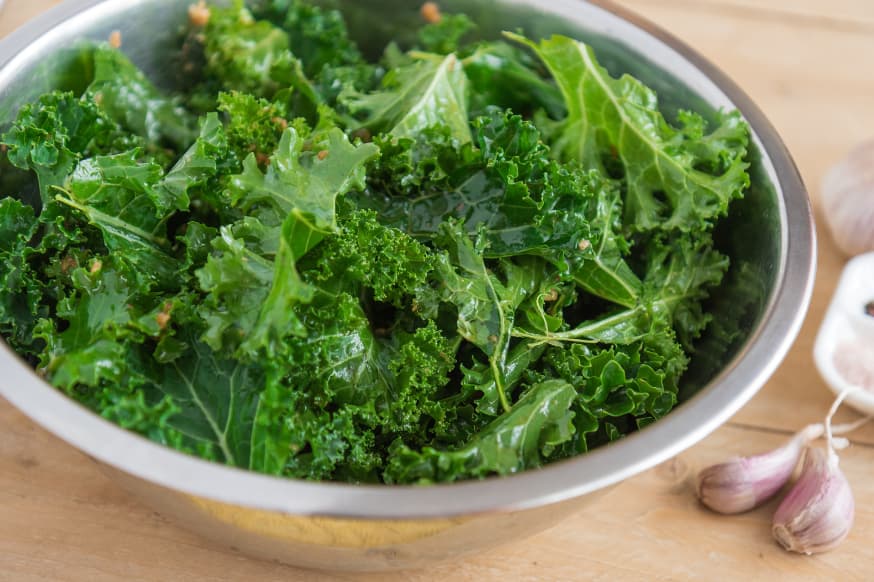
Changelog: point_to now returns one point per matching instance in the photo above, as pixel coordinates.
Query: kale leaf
(430, 90)
(131, 100)
(251, 280)
(517, 440)
(674, 177)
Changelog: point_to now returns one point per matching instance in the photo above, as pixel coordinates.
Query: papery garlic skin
(847, 199)
(743, 483)
(817, 514)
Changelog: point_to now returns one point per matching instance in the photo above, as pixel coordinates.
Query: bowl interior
(47, 55)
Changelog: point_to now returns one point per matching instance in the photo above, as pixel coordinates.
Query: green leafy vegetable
(254, 125)
(518, 440)
(130, 99)
(463, 260)
(120, 196)
(431, 90)
(254, 56)
(506, 76)
(303, 184)
(254, 286)
(20, 289)
(53, 134)
(674, 178)
(485, 305)
(195, 167)
(217, 399)
(237, 278)
(318, 37)
(443, 36)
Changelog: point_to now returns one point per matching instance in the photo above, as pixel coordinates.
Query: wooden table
(808, 64)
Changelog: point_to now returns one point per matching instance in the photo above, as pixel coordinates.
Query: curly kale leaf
(121, 197)
(276, 317)
(318, 37)
(103, 348)
(513, 195)
(356, 365)
(21, 291)
(254, 56)
(242, 53)
(216, 400)
(296, 439)
(126, 96)
(348, 375)
(354, 373)
(520, 439)
(53, 134)
(196, 401)
(237, 277)
(568, 217)
(365, 255)
(674, 177)
(255, 125)
(251, 279)
(479, 381)
(303, 183)
(680, 274)
(429, 91)
(628, 385)
(196, 166)
(99, 314)
(485, 305)
(679, 277)
(408, 169)
(505, 76)
(444, 36)
(134, 412)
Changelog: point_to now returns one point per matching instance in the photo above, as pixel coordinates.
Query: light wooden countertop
(809, 65)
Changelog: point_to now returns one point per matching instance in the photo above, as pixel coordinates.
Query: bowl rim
(605, 466)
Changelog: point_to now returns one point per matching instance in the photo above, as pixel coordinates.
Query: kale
(465, 260)
(674, 178)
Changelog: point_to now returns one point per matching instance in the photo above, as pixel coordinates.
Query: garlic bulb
(817, 514)
(848, 201)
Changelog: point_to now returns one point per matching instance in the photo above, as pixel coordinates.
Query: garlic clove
(743, 483)
(847, 198)
(817, 513)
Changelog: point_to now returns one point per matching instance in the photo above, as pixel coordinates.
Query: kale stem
(499, 383)
(597, 326)
(617, 328)
(540, 339)
(93, 214)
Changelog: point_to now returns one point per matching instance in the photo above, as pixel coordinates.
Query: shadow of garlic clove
(817, 513)
(743, 483)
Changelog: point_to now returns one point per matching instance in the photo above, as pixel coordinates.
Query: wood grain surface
(808, 64)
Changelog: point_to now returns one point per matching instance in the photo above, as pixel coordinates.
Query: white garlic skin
(743, 483)
(817, 513)
(847, 198)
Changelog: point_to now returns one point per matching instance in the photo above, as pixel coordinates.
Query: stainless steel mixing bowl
(769, 236)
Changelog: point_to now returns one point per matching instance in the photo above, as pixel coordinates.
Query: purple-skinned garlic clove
(817, 513)
(742, 483)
